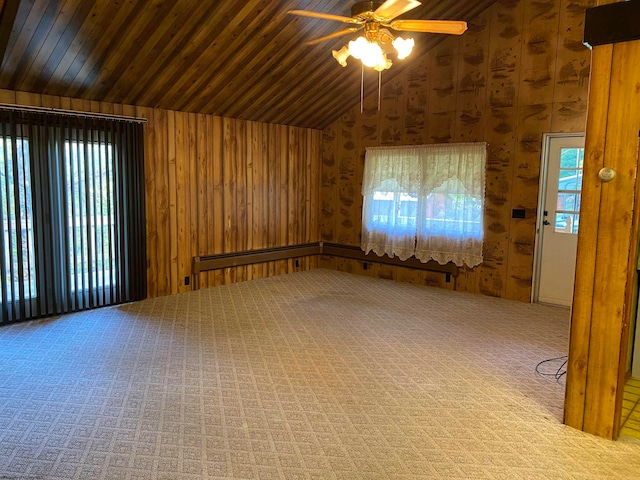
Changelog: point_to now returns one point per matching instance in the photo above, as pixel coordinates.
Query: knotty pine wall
(518, 72)
(216, 185)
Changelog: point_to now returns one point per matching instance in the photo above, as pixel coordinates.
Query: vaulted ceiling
(241, 59)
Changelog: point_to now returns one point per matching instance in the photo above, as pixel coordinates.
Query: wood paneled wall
(518, 72)
(216, 185)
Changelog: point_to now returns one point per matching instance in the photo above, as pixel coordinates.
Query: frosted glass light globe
(403, 46)
(368, 52)
(357, 46)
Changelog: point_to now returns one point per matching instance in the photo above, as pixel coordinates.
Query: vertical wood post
(606, 243)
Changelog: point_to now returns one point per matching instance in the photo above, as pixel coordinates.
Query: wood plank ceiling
(240, 59)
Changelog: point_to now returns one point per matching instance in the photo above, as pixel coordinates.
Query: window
(569, 188)
(425, 201)
(17, 219)
(72, 211)
(89, 195)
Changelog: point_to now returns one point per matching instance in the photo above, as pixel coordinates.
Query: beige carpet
(313, 375)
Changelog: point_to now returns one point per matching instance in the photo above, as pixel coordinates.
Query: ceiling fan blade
(333, 35)
(393, 8)
(324, 16)
(429, 26)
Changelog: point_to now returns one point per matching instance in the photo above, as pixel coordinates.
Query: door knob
(546, 222)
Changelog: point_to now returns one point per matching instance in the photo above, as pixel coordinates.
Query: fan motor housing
(361, 8)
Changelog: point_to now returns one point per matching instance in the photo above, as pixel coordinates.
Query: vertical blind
(72, 213)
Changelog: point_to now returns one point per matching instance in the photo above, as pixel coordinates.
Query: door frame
(542, 194)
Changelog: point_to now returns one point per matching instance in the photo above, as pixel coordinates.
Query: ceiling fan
(376, 18)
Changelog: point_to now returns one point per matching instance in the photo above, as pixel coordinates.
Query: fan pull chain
(379, 87)
(362, 88)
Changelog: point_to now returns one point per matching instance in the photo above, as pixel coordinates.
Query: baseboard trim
(248, 257)
(356, 253)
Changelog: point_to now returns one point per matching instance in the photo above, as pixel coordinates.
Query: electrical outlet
(186, 280)
(365, 266)
(297, 263)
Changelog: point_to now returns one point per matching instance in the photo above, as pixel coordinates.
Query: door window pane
(570, 180)
(568, 201)
(571, 157)
(569, 186)
(567, 222)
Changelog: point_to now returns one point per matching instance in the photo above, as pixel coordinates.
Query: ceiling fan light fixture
(384, 63)
(403, 46)
(376, 18)
(341, 55)
(369, 53)
(360, 47)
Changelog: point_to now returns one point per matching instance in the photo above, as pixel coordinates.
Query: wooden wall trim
(356, 253)
(249, 257)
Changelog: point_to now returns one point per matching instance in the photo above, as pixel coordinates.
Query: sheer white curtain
(426, 201)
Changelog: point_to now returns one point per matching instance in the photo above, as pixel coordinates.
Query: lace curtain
(426, 201)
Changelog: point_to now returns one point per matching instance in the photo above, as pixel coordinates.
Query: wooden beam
(606, 244)
(580, 331)
(613, 23)
(608, 347)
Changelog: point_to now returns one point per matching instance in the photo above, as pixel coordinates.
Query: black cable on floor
(558, 373)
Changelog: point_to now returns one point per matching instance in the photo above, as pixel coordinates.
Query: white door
(558, 230)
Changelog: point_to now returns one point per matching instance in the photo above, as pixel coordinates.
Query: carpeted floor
(312, 375)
